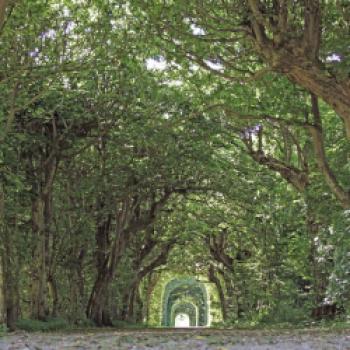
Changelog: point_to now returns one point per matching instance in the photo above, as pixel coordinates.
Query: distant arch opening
(185, 308)
(186, 296)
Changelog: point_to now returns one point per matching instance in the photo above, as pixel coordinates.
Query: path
(180, 340)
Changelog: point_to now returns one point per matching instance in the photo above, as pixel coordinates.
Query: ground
(180, 340)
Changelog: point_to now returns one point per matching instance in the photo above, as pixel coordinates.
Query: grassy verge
(322, 325)
(59, 324)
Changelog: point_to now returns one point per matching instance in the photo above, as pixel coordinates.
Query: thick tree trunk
(335, 94)
(110, 251)
(97, 309)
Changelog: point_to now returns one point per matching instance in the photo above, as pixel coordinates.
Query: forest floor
(178, 339)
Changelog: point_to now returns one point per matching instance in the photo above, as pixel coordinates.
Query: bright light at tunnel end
(182, 321)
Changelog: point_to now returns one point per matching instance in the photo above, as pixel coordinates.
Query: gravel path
(180, 340)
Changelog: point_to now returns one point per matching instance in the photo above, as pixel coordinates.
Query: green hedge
(52, 324)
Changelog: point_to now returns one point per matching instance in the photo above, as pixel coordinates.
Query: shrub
(52, 324)
(284, 313)
(3, 329)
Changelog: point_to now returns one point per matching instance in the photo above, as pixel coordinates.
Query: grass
(305, 324)
(53, 324)
(58, 324)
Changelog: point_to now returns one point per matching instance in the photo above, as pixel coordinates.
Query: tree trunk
(316, 131)
(151, 284)
(131, 301)
(10, 280)
(53, 295)
(214, 279)
(9, 267)
(110, 251)
(139, 307)
(97, 309)
(298, 59)
(335, 94)
(41, 221)
(39, 276)
(232, 298)
(134, 308)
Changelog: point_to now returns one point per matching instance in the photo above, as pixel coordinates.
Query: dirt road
(204, 339)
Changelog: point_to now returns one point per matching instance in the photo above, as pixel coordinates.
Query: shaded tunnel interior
(186, 296)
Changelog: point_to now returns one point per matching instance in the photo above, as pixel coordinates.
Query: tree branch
(316, 132)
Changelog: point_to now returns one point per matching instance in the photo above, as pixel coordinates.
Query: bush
(84, 323)
(3, 329)
(284, 313)
(52, 324)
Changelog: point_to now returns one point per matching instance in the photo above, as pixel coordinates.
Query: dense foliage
(141, 142)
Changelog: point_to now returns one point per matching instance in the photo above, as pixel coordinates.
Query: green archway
(185, 294)
(185, 308)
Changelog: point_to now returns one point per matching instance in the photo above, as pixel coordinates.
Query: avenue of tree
(145, 141)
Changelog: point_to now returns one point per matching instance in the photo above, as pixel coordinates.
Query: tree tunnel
(186, 297)
(184, 308)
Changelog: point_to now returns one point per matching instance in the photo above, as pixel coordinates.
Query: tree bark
(53, 295)
(214, 279)
(10, 282)
(160, 260)
(129, 221)
(335, 94)
(152, 282)
(39, 277)
(316, 132)
(297, 58)
(97, 309)
(41, 220)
